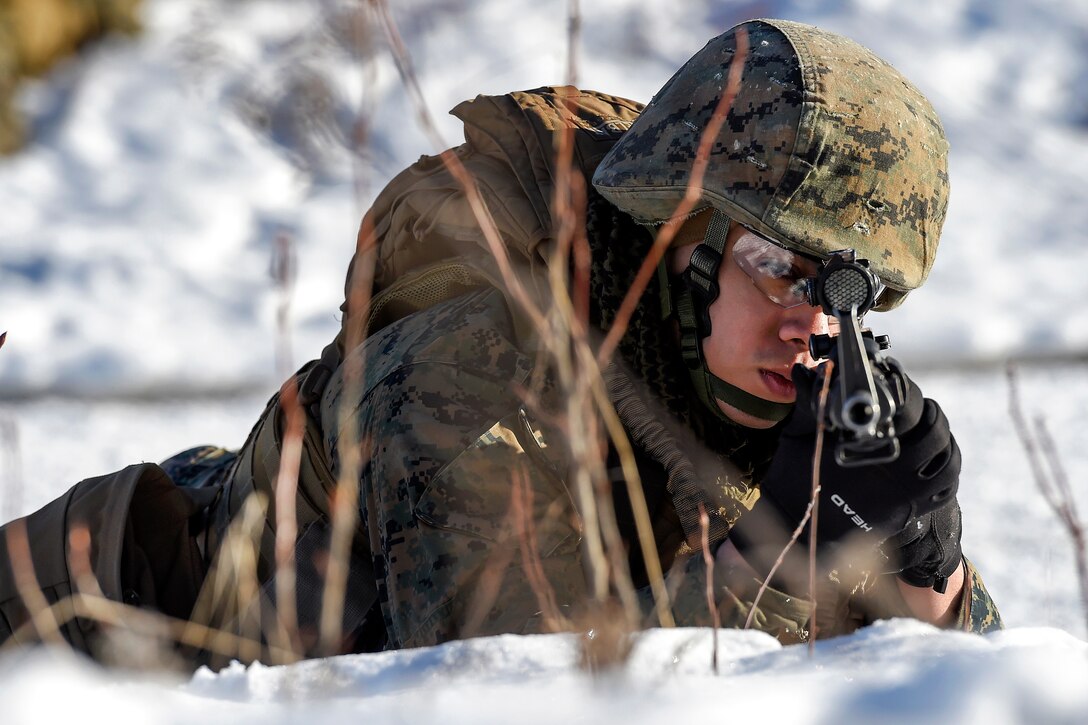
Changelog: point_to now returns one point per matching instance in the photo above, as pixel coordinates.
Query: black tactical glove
(927, 551)
(865, 504)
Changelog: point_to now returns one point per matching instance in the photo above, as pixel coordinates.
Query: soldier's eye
(774, 268)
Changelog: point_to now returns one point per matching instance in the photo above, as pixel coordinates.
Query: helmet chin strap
(691, 303)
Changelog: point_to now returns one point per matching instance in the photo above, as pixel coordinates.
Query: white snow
(136, 233)
(900, 671)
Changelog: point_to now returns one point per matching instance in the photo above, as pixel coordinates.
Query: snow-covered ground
(136, 233)
(894, 672)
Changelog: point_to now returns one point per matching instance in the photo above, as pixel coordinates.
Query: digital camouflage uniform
(446, 434)
(450, 437)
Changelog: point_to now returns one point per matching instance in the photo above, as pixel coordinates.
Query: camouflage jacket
(449, 441)
(444, 433)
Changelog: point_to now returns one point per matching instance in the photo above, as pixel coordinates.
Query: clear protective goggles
(785, 277)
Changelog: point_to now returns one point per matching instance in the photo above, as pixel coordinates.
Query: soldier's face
(754, 342)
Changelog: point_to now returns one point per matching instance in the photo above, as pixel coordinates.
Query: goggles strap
(690, 302)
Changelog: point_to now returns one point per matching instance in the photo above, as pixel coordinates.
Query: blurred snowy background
(138, 225)
(137, 230)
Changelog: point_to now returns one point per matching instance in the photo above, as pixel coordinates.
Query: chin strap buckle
(701, 277)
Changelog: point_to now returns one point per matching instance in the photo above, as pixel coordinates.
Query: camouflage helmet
(826, 146)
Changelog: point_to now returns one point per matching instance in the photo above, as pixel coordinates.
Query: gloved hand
(866, 504)
(927, 551)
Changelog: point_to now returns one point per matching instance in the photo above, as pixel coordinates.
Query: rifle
(867, 387)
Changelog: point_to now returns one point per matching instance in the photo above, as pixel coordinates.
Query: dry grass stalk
(43, 620)
(817, 455)
(486, 591)
(344, 502)
(643, 524)
(121, 644)
(142, 621)
(692, 195)
(817, 460)
(284, 268)
(619, 326)
(230, 596)
(1051, 479)
(580, 378)
(606, 641)
(12, 483)
(79, 546)
(521, 506)
(557, 343)
(241, 550)
(286, 515)
(157, 628)
(711, 604)
(480, 212)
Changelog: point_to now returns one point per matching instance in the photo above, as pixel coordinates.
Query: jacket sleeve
(976, 612)
(779, 614)
(788, 618)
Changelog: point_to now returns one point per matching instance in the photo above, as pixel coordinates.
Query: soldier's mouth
(778, 384)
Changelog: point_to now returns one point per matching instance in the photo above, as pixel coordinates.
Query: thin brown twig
(711, 604)
(243, 558)
(343, 501)
(286, 489)
(352, 450)
(643, 524)
(486, 591)
(286, 493)
(1068, 511)
(402, 60)
(86, 583)
(1055, 486)
(817, 461)
(230, 593)
(574, 36)
(817, 454)
(79, 547)
(498, 251)
(564, 338)
(13, 481)
(577, 368)
(42, 619)
(107, 611)
(360, 129)
(521, 504)
(692, 195)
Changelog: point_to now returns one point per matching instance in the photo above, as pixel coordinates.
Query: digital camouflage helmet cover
(825, 147)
